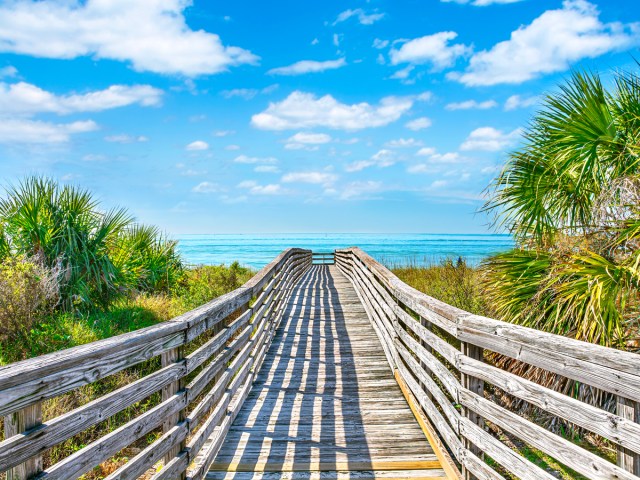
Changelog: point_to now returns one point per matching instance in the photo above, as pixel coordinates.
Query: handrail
(438, 352)
(208, 359)
(323, 258)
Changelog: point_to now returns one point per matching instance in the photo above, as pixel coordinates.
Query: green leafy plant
(100, 254)
(571, 197)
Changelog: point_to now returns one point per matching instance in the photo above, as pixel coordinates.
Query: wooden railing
(439, 353)
(208, 359)
(323, 258)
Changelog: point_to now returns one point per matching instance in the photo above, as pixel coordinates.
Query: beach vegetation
(570, 195)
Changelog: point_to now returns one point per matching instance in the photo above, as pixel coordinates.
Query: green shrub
(147, 259)
(206, 282)
(29, 292)
(103, 255)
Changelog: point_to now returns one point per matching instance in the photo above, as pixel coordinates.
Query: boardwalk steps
(322, 366)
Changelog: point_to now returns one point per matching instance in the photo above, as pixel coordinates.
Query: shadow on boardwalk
(325, 398)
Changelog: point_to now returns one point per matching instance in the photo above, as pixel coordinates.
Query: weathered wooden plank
(168, 391)
(16, 423)
(151, 455)
(447, 463)
(629, 415)
(97, 452)
(579, 459)
(475, 385)
(19, 448)
(613, 427)
(451, 414)
(447, 378)
(314, 333)
(92, 369)
(501, 454)
(553, 354)
(436, 418)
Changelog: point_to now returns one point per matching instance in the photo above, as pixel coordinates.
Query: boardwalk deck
(325, 403)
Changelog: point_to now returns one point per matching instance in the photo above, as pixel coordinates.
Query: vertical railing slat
(15, 424)
(476, 386)
(627, 459)
(172, 356)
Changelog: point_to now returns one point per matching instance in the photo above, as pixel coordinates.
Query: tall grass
(452, 281)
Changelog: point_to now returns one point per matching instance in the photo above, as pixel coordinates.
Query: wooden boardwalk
(325, 403)
(315, 370)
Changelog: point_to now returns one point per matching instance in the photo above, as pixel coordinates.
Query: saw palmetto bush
(570, 196)
(100, 254)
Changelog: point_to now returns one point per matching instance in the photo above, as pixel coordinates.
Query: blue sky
(283, 116)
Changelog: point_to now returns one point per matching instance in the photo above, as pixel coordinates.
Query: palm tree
(101, 254)
(570, 195)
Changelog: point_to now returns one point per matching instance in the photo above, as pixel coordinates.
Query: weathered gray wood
(151, 455)
(448, 379)
(81, 373)
(618, 429)
(168, 391)
(97, 452)
(432, 389)
(16, 423)
(629, 460)
(478, 467)
(476, 386)
(436, 418)
(503, 455)
(579, 459)
(19, 448)
(55, 374)
(551, 354)
(325, 340)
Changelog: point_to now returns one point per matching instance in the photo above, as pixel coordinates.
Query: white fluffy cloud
(419, 124)
(381, 159)
(551, 43)
(489, 139)
(320, 178)
(305, 110)
(363, 17)
(472, 105)
(21, 130)
(403, 143)
(152, 35)
(358, 189)
(517, 101)
(124, 138)
(306, 140)
(308, 66)
(197, 146)
(223, 133)
(426, 152)
(432, 49)
(256, 189)
(28, 99)
(206, 187)
(248, 93)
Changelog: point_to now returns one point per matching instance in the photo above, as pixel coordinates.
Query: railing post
(15, 424)
(627, 459)
(426, 324)
(476, 386)
(172, 356)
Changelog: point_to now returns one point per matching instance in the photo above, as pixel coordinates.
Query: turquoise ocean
(256, 251)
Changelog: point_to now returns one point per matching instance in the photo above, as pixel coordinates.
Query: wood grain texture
(325, 398)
